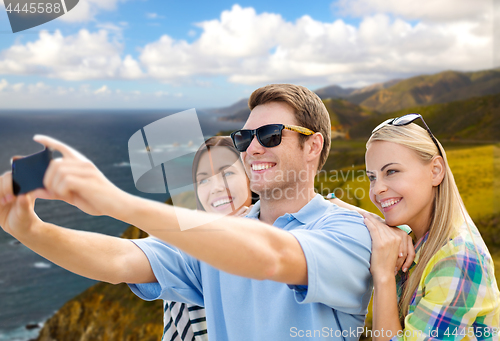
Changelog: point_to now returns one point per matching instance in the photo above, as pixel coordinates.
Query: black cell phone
(28, 172)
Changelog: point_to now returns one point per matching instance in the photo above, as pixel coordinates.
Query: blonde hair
(448, 210)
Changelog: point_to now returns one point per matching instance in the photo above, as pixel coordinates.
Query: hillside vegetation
(443, 87)
(475, 119)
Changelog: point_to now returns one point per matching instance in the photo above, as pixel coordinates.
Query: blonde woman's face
(222, 184)
(400, 184)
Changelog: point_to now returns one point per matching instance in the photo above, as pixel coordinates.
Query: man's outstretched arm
(239, 246)
(93, 255)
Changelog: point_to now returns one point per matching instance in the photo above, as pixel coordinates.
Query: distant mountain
(333, 91)
(391, 96)
(345, 114)
(359, 95)
(237, 112)
(475, 118)
(331, 95)
(242, 104)
(442, 87)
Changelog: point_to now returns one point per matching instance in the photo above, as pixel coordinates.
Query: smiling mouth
(262, 166)
(222, 202)
(390, 203)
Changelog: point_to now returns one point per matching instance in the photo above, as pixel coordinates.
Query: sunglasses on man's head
(268, 136)
(405, 120)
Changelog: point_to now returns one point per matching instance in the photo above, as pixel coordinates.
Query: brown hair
(215, 141)
(310, 112)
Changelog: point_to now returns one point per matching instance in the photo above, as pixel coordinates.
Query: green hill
(346, 114)
(471, 119)
(438, 88)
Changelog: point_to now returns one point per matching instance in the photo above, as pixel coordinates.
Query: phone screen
(28, 172)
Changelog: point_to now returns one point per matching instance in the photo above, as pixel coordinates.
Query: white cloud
(18, 87)
(84, 55)
(3, 84)
(161, 93)
(426, 10)
(42, 95)
(86, 10)
(251, 48)
(154, 16)
(102, 90)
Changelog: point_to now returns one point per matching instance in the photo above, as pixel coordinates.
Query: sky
(157, 54)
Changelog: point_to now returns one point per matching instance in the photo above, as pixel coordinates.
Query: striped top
(457, 297)
(184, 322)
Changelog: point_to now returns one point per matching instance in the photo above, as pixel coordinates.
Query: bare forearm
(385, 309)
(88, 254)
(240, 246)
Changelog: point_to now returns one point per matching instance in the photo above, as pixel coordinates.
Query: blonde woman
(450, 291)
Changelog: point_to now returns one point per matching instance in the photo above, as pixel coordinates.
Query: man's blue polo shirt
(337, 247)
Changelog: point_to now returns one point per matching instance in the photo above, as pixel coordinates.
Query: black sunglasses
(268, 136)
(405, 120)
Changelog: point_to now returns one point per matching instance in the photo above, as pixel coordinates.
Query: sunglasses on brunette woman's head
(405, 120)
(268, 136)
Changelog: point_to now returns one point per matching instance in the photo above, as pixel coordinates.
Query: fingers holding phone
(76, 180)
(17, 214)
(28, 172)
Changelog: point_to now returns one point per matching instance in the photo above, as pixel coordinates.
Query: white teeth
(221, 202)
(389, 203)
(261, 166)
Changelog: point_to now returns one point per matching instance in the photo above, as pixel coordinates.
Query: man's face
(278, 167)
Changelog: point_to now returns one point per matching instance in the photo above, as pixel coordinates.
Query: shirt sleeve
(337, 251)
(455, 300)
(178, 274)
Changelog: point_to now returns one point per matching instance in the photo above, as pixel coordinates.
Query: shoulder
(341, 224)
(340, 218)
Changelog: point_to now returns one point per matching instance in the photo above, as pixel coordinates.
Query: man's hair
(310, 112)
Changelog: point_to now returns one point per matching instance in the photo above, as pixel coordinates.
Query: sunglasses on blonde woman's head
(405, 120)
(268, 136)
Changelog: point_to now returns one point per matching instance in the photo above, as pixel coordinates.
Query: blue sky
(166, 54)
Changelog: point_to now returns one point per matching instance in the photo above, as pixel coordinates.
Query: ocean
(32, 288)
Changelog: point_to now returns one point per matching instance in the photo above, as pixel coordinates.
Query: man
(305, 276)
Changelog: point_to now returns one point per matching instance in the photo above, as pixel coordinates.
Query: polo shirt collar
(313, 210)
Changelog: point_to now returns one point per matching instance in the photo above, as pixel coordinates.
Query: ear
(438, 170)
(315, 146)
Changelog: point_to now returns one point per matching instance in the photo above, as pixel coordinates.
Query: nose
(218, 184)
(255, 147)
(378, 187)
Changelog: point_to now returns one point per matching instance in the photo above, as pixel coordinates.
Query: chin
(393, 221)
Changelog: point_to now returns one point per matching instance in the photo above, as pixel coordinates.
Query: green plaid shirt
(458, 296)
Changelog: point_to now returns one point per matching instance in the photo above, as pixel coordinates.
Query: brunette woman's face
(222, 184)
(401, 185)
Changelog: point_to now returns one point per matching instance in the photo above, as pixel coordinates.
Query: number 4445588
(35, 7)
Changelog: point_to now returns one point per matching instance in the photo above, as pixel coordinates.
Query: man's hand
(76, 180)
(17, 214)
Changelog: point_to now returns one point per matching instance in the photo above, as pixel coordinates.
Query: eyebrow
(387, 165)
(382, 169)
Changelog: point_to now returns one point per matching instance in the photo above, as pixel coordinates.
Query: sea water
(32, 288)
